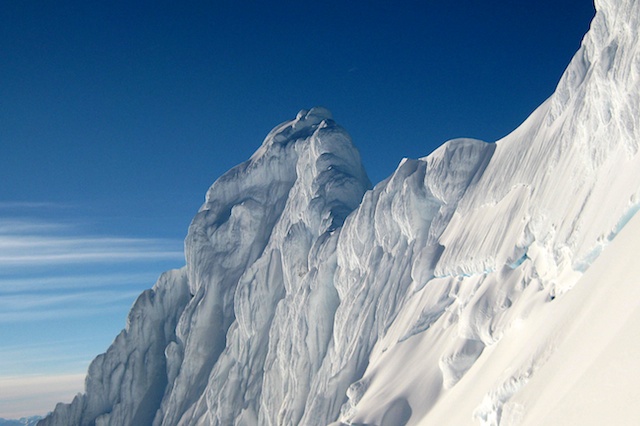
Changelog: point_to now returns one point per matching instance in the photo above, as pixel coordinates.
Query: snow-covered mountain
(482, 284)
(24, 421)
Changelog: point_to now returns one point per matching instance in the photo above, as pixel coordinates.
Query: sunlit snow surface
(479, 285)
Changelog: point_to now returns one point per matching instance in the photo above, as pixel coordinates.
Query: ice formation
(482, 284)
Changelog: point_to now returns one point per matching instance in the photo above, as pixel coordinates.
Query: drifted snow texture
(309, 299)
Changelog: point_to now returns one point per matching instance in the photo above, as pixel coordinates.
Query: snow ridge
(124, 385)
(309, 298)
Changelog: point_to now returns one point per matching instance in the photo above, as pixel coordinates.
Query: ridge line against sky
(117, 116)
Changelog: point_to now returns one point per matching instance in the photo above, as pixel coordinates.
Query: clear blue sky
(116, 116)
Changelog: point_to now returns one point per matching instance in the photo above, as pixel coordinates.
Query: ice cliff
(433, 298)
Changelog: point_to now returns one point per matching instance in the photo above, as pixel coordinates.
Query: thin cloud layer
(65, 352)
(35, 307)
(50, 269)
(23, 246)
(57, 276)
(41, 283)
(19, 395)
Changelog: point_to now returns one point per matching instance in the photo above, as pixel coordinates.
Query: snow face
(453, 292)
(125, 385)
(266, 251)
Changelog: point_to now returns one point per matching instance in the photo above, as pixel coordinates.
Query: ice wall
(309, 299)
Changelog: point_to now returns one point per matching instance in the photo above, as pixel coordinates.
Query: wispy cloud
(40, 350)
(31, 205)
(27, 248)
(61, 281)
(19, 226)
(32, 300)
(35, 307)
(68, 282)
(37, 357)
(52, 269)
(98, 256)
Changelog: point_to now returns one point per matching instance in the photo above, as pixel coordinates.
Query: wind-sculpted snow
(249, 247)
(550, 200)
(124, 386)
(430, 299)
(387, 250)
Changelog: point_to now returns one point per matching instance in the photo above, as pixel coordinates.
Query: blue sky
(115, 117)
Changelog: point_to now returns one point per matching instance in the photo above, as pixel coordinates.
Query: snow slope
(479, 285)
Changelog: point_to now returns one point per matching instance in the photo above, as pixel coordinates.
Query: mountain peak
(305, 123)
(315, 113)
(308, 299)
